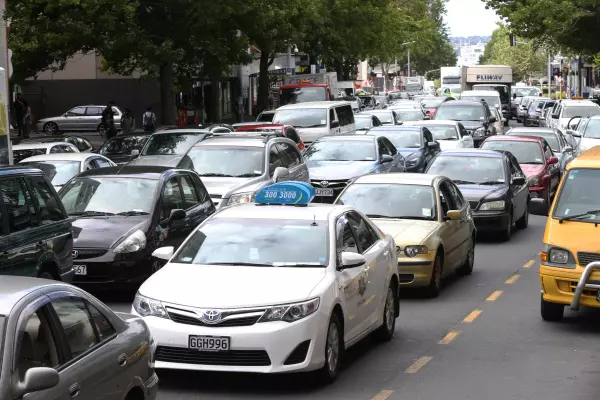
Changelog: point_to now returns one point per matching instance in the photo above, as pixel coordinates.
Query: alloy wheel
(333, 347)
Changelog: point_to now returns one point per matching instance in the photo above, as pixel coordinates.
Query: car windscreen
(409, 115)
(525, 91)
(469, 169)
(524, 152)
(58, 172)
(341, 150)
(550, 138)
(579, 194)
(413, 87)
(362, 123)
(404, 138)
(385, 117)
(461, 113)
(109, 195)
(492, 101)
(391, 200)
(302, 117)
(592, 129)
(501, 89)
(398, 95)
(170, 144)
(257, 242)
(367, 100)
(119, 146)
(580, 111)
(245, 162)
(302, 95)
(443, 132)
(431, 103)
(265, 117)
(20, 155)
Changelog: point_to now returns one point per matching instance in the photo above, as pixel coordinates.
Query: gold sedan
(429, 219)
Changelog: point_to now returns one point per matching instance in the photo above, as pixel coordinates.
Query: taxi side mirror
(164, 253)
(351, 260)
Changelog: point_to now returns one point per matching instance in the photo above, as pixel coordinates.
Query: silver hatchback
(78, 119)
(59, 342)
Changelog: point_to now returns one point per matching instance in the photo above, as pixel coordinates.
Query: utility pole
(549, 75)
(408, 63)
(579, 77)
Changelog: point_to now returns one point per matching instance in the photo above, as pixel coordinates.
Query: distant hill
(459, 40)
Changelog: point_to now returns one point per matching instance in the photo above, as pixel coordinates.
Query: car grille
(84, 254)
(585, 258)
(473, 204)
(249, 358)
(229, 318)
(337, 185)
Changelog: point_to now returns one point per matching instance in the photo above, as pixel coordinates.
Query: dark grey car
(58, 342)
(166, 148)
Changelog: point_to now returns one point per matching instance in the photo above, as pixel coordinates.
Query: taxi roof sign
(286, 193)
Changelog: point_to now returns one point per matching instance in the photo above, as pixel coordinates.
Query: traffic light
(513, 40)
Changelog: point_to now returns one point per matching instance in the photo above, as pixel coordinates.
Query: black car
(122, 149)
(415, 143)
(122, 214)
(82, 144)
(167, 147)
(493, 183)
(37, 237)
(476, 117)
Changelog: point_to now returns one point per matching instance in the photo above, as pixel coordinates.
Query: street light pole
(409, 62)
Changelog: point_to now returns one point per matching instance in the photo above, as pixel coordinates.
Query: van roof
(480, 93)
(315, 104)
(589, 159)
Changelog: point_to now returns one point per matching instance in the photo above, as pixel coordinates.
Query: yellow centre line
(494, 296)
(384, 394)
(512, 279)
(417, 365)
(472, 316)
(529, 264)
(449, 337)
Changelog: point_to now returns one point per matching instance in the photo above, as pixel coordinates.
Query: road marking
(512, 279)
(384, 394)
(472, 316)
(449, 337)
(417, 365)
(494, 296)
(529, 264)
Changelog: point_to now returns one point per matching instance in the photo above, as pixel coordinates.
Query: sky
(470, 18)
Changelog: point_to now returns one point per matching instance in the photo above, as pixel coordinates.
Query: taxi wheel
(386, 331)
(467, 267)
(552, 312)
(334, 349)
(435, 285)
(523, 222)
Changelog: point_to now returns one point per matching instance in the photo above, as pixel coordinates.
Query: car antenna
(314, 221)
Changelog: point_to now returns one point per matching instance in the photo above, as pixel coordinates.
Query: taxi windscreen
(257, 242)
(578, 198)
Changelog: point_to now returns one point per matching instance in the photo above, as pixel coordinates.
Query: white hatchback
(272, 288)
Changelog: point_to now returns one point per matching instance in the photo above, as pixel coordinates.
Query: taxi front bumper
(265, 347)
(560, 286)
(415, 272)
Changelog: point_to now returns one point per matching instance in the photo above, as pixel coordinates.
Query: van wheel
(552, 312)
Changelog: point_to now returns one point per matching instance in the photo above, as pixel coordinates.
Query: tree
(526, 61)
(272, 26)
(570, 24)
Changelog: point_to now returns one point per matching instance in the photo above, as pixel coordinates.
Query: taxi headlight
(134, 242)
(241, 198)
(149, 307)
(534, 181)
(558, 256)
(492, 206)
(290, 312)
(413, 251)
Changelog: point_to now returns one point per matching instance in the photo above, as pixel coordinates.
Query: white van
(317, 119)
(491, 97)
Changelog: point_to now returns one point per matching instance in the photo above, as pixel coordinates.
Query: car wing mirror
(281, 174)
(35, 380)
(177, 215)
(164, 253)
(386, 158)
(351, 260)
(493, 119)
(518, 180)
(553, 160)
(335, 124)
(568, 149)
(135, 152)
(453, 215)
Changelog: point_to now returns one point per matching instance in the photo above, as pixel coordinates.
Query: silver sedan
(59, 342)
(78, 119)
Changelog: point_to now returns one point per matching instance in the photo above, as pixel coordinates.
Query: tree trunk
(386, 76)
(167, 99)
(339, 69)
(263, 79)
(216, 100)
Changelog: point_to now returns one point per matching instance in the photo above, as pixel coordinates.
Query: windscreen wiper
(241, 264)
(248, 175)
(490, 183)
(132, 213)
(379, 216)
(570, 217)
(217, 175)
(91, 214)
(459, 182)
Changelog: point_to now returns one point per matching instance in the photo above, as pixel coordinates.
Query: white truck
(414, 85)
(309, 87)
(452, 81)
(492, 77)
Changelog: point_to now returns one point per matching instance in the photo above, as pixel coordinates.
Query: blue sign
(286, 193)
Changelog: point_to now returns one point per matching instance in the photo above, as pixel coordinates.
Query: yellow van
(570, 257)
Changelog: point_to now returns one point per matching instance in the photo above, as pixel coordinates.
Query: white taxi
(278, 285)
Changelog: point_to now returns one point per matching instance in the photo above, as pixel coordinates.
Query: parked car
(167, 148)
(82, 144)
(62, 343)
(61, 168)
(122, 149)
(78, 119)
(37, 236)
(122, 214)
(334, 160)
(555, 139)
(536, 159)
(476, 117)
(23, 151)
(493, 184)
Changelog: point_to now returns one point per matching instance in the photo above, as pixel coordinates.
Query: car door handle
(122, 360)
(74, 390)
(39, 245)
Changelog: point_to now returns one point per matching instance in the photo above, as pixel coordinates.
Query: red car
(286, 130)
(535, 158)
(431, 104)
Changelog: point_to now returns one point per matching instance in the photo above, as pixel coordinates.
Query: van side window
(19, 208)
(343, 118)
(48, 203)
(331, 115)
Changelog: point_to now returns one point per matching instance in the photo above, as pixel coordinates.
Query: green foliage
(526, 61)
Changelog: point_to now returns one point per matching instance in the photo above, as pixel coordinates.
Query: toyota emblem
(211, 316)
(324, 183)
(75, 254)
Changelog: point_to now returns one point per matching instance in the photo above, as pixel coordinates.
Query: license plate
(209, 343)
(80, 269)
(324, 192)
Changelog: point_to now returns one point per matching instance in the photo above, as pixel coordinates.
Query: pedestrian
(108, 121)
(149, 120)
(20, 113)
(28, 122)
(128, 123)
